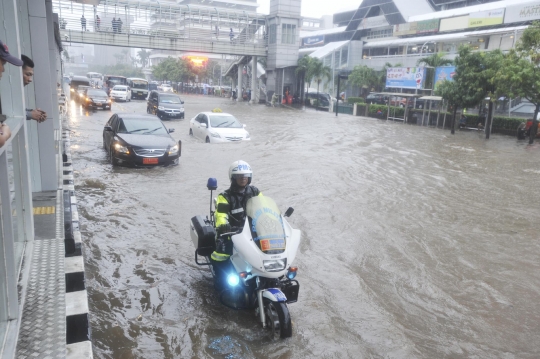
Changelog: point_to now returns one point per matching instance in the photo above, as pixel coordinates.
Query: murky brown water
(416, 243)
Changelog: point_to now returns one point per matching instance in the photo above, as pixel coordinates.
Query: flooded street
(415, 243)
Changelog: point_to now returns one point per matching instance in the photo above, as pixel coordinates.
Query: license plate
(268, 244)
(150, 161)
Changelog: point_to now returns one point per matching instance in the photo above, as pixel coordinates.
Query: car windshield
(140, 85)
(228, 121)
(169, 99)
(266, 224)
(142, 126)
(96, 93)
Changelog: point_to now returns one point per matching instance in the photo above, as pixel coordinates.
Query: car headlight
(122, 149)
(181, 110)
(88, 99)
(72, 90)
(173, 150)
(215, 134)
(275, 265)
(161, 108)
(109, 100)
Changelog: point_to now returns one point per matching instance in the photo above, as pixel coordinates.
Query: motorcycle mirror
(211, 184)
(289, 211)
(223, 208)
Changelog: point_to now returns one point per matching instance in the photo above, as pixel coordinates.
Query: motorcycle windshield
(266, 224)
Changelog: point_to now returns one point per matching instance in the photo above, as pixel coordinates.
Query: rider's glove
(224, 228)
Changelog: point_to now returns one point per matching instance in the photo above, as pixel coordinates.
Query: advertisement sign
(313, 40)
(523, 12)
(454, 23)
(416, 27)
(405, 77)
(427, 26)
(375, 21)
(486, 18)
(444, 73)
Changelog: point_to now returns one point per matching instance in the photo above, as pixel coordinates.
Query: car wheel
(104, 146)
(190, 132)
(112, 160)
(207, 139)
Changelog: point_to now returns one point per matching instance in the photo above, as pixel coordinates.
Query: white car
(120, 92)
(166, 88)
(214, 127)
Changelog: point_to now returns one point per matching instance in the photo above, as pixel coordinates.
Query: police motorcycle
(261, 276)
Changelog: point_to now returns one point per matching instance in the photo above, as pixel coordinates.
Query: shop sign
(522, 12)
(371, 22)
(444, 73)
(427, 26)
(313, 40)
(486, 18)
(409, 28)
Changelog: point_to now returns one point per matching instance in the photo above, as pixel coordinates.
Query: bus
(77, 81)
(139, 87)
(109, 81)
(95, 78)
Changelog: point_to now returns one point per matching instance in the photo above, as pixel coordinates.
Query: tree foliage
(318, 71)
(364, 77)
(144, 56)
(118, 69)
(435, 60)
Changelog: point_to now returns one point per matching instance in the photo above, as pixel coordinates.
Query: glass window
(272, 36)
(288, 34)
(344, 55)
(337, 58)
(224, 121)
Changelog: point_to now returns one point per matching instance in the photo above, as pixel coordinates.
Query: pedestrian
(231, 35)
(98, 22)
(113, 24)
(119, 25)
(83, 23)
(28, 74)
(5, 57)
(274, 99)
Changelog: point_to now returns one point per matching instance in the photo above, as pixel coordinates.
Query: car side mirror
(171, 130)
(223, 208)
(204, 125)
(108, 128)
(289, 211)
(182, 102)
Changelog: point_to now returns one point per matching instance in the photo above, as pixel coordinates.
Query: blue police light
(291, 275)
(211, 184)
(233, 279)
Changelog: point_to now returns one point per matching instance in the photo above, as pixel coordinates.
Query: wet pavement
(416, 243)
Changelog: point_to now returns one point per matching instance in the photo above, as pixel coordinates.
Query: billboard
(486, 18)
(313, 40)
(405, 77)
(523, 12)
(454, 23)
(444, 73)
(416, 27)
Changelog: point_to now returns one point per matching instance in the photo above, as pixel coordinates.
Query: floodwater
(416, 243)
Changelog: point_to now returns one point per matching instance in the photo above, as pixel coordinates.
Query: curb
(78, 334)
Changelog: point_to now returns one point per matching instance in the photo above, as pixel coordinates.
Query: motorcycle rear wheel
(278, 319)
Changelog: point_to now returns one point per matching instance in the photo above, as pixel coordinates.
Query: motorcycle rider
(240, 175)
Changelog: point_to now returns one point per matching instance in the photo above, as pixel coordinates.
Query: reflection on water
(416, 243)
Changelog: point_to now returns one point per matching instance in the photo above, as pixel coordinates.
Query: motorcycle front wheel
(278, 319)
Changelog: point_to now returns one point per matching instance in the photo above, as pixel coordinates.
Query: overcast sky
(316, 8)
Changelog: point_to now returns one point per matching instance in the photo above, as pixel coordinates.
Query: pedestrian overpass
(151, 25)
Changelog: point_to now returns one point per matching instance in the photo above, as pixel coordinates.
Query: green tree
(434, 60)
(365, 78)
(144, 56)
(318, 72)
(519, 74)
(125, 53)
(303, 70)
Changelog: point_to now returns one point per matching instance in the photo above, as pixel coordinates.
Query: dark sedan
(139, 140)
(95, 98)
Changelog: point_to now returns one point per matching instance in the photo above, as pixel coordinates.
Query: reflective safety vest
(237, 202)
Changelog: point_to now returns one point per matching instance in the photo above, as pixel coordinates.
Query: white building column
(254, 81)
(43, 146)
(240, 69)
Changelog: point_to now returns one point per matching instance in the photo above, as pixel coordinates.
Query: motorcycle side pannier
(203, 235)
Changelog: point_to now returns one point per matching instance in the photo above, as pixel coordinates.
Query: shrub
(399, 112)
(353, 100)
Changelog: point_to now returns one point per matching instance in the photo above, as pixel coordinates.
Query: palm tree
(143, 55)
(303, 70)
(435, 60)
(318, 71)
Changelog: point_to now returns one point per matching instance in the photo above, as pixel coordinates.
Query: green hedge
(353, 100)
(399, 112)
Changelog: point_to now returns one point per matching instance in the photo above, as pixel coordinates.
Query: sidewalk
(54, 320)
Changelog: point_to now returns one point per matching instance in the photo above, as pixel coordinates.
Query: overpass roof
(328, 48)
(453, 36)
(467, 10)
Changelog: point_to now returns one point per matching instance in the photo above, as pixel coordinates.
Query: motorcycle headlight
(215, 134)
(122, 149)
(173, 150)
(161, 108)
(275, 265)
(233, 279)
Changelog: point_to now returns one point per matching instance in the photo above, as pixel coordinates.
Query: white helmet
(240, 169)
